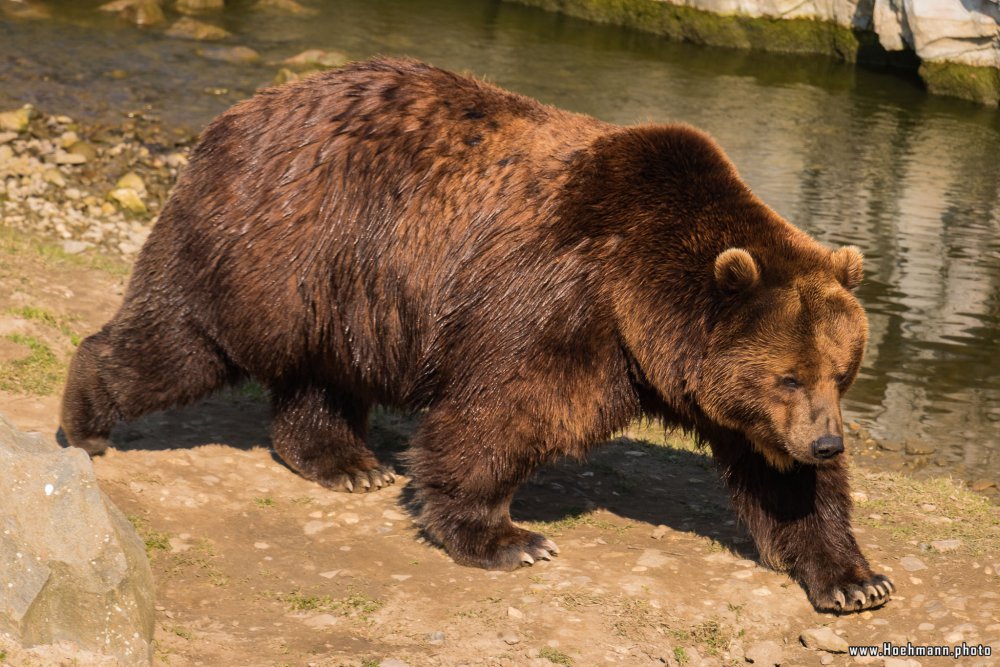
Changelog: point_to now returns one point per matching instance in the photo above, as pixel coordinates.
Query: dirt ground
(256, 566)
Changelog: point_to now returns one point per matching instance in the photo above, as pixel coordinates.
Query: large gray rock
(72, 568)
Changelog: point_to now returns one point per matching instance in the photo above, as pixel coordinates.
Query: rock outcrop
(957, 42)
(74, 571)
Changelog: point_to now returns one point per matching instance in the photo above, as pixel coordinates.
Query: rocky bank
(953, 44)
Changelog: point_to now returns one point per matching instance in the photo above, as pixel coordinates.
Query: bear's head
(781, 358)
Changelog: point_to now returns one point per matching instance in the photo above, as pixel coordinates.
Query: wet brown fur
(391, 233)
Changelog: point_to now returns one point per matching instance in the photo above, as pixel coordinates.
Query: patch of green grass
(710, 634)
(264, 502)
(681, 656)
(39, 373)
(183, 633)
(48, 319)
(576, 519)
(3, 655)
(370, 662)
(556, 656)
(895, 500)
(355, 605)
(153, 539)
(13, 242)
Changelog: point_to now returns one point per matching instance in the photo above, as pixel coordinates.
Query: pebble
(827, 659)
(72, 247)
(128, 199)
(134, 181)
(824, 639)
(350, 518)
(912, 564)
(322, 621)
(188, 28)
(766, 653)
(393, 515)
(392, 662)
(978, 485)
(659, 532)
(313, 57)
(70, 158)
(7, 136)
(15, 121)
(945, 546)
(510, 638)
(900, 662)
(234, 55)
(435, 637)
(919, 448)
(514, 613)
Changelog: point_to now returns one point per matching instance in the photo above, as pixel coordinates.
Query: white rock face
(960, 31)
(963, 32)
(72, 567)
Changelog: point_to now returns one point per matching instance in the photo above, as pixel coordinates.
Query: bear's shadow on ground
(633, 479)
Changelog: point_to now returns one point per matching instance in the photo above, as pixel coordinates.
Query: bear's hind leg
(133, 366)
(322, 437)
(800, 520)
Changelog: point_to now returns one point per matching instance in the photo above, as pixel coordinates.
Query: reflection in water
(849, 155)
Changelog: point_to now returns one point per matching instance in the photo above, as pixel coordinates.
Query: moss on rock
(979, 84)
(702, 27)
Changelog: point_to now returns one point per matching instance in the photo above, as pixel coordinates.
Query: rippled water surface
(849, 155)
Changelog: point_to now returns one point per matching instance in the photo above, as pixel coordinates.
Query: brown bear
(533, 279)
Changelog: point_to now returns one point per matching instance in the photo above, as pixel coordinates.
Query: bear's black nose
(828, 446)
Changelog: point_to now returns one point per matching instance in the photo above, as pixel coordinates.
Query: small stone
(912, 564)
(55, 177)
(132, 180)
(350, 518)
(322, 621)
(919, 448)
(854, 426)
(67, 139)
(317, 58)
(7, 137)
(823, 639)
(330, 574)
(140, 12)
(765, 653)
(393, 515)
(392, 662)
(198, 6)
(286, 6)
(514, 613)
(261, 545)
(313, 527)
(177, 160)
(17, 120)
(188, 28)
(889, 446)
(284, 76)
(234, 55)
(900, 662)
(954, 637)
(928, 507)
(509, 638)
(128, 199)
(659, 532)
(978, 485)
(69, 158)
(944, 546)
(435, 637)
(82, 148)
(73, 247)
(827, 659)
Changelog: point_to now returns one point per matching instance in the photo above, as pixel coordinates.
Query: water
(849, 155)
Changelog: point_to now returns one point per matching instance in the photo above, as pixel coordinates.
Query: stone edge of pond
(781, 35)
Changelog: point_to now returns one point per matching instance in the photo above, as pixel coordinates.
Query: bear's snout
(828, 446)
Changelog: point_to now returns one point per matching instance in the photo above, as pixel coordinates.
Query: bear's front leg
(800, 520)
(466, 473)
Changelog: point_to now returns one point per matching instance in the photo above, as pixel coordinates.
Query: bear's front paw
(508, 549)
(851, 596)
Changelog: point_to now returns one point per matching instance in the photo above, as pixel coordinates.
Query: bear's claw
(361, 481)
(869, 594)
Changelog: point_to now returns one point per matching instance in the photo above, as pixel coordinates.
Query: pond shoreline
(853, 38)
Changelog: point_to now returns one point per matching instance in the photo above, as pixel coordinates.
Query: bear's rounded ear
(848, 266)
(736, 270)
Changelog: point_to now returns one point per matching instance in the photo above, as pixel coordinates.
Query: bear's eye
(841, 379)
(790, 381)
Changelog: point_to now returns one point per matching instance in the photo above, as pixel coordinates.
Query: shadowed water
(850, 156)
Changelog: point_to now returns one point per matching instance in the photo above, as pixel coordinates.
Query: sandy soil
(256, 566)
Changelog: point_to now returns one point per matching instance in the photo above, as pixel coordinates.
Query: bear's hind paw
(854, 597)
(360, 481)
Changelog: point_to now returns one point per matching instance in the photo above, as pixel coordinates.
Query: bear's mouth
(784, 458)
